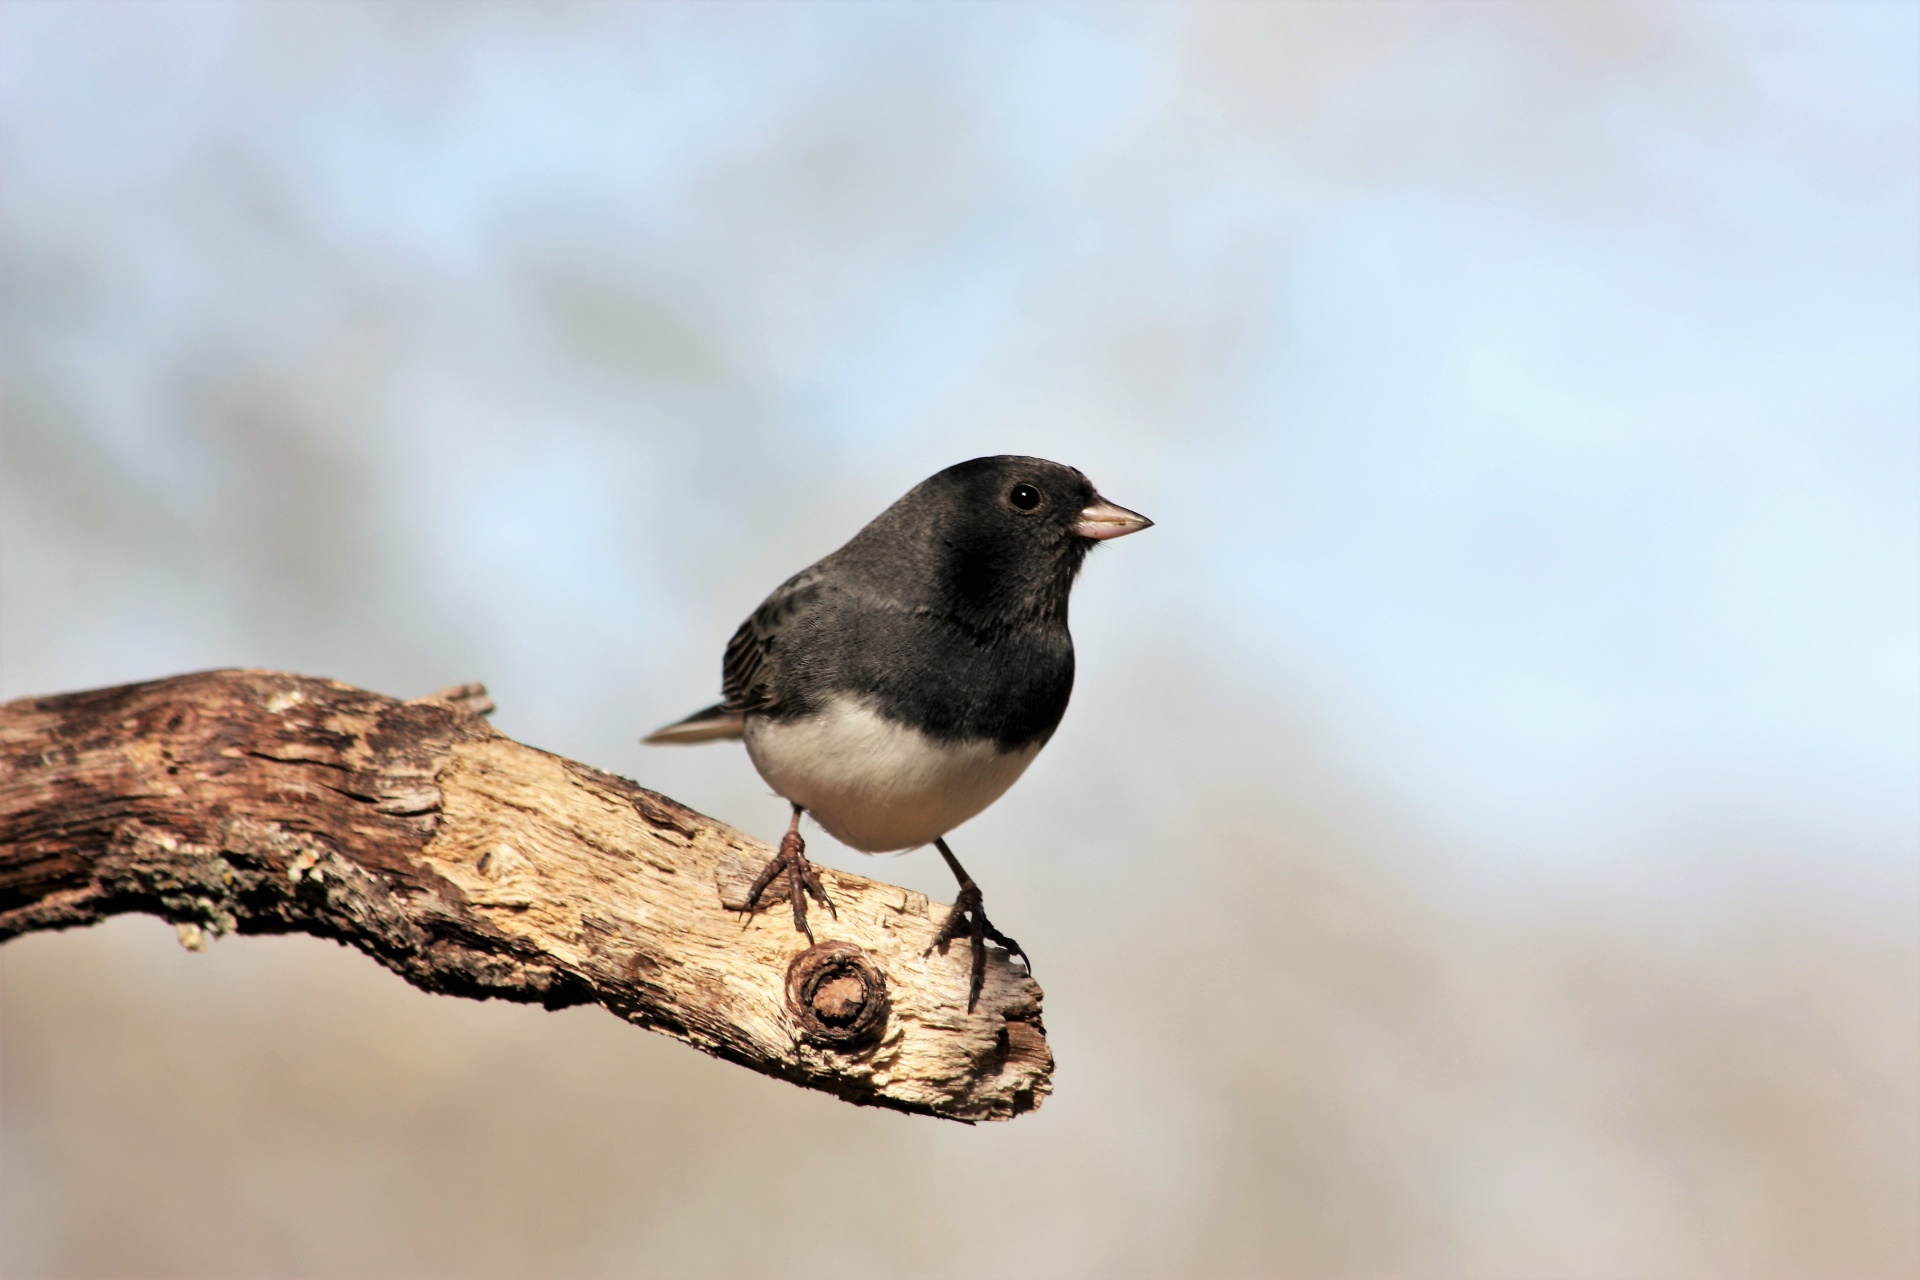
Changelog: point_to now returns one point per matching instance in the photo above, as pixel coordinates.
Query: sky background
(1486, 838)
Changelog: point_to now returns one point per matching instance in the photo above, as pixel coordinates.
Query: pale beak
(1102, 520)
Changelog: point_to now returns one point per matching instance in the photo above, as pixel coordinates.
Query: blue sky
(1536, 398)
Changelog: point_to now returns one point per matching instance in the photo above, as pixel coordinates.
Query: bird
(899, 686)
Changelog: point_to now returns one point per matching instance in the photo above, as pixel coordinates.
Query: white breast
(877, 785)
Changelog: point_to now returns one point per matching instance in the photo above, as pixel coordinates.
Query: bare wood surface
(473, 865)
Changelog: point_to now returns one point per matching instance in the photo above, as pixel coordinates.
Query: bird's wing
(751, 670)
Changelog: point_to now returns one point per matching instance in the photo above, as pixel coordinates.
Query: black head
(996, 537)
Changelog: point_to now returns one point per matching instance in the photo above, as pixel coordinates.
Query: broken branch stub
(473, 865)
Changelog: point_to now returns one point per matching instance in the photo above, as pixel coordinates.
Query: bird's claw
(801, 878)
(969, 915)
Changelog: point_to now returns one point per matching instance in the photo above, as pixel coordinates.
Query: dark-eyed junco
(899, 686)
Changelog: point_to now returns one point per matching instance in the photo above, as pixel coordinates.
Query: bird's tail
(711, 724)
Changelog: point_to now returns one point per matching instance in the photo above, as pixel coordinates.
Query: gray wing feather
(750, 673)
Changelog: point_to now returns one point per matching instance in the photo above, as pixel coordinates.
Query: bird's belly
(877, 785)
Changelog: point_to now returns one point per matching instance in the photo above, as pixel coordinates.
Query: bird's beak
(1102, 520)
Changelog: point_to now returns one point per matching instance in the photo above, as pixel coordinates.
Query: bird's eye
(1024, 496)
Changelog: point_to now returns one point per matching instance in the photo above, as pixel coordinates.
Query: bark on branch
(472, 865)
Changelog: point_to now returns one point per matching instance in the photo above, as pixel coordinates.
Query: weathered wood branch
(470, 864)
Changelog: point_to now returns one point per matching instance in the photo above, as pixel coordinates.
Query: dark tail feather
(712, 724)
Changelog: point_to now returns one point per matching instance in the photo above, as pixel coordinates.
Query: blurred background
(1486, 838)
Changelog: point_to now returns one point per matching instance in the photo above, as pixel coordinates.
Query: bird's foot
(970, 917)
(791, 861)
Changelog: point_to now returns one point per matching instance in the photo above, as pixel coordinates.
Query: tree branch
(470, 864)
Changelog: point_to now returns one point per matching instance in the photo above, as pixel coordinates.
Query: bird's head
(1009, 532)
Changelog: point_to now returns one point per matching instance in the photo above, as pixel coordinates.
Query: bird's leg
(801, 880)
(968, 913)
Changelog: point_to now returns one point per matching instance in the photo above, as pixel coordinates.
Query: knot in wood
(837, 994)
